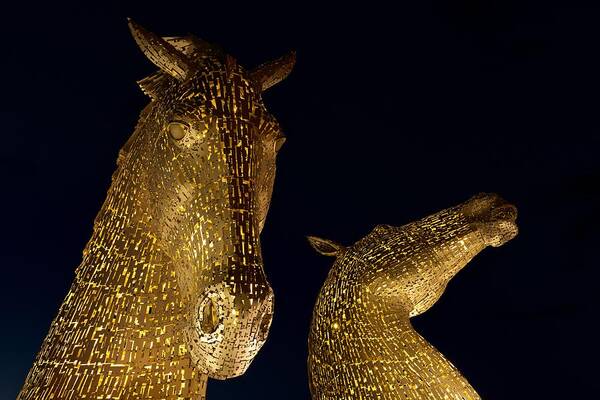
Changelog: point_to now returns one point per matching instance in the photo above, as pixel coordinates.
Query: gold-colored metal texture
(362, 344)
(171, 289)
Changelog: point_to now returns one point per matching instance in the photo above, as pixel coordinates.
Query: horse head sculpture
(361, 342)
(208, 149)
(172, 288)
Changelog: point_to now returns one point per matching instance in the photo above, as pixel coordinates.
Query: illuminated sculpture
(362, 344)
(171, 289)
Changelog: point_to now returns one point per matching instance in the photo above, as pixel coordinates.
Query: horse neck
(123, 315)
(358, 311)
(377, 348)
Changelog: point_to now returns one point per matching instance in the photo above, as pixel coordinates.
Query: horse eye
(279, 142)
(178, 130)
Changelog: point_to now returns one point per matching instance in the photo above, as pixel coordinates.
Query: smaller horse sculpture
(362, 344)
(171, 289)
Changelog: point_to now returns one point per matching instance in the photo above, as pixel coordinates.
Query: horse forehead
(220, 82)
(239, 111)
(224, 96)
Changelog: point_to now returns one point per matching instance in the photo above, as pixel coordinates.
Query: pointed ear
(164, 55)
(273, 72)
(324, 246)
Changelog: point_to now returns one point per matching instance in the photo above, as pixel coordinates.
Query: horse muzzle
(229, 326)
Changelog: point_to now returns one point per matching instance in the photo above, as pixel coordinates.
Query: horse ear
(324, 246)
(164, 55)
(273, 72)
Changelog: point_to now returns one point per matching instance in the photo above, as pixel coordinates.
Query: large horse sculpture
(171, 289)
(362, 344)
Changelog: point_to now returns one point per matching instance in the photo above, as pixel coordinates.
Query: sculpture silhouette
(362, 344)
(171, 289)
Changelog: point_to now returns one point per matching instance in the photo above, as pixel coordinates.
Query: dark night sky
(390, 114)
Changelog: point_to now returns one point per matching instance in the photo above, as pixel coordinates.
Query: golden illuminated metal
(171, 289)
(362, 344)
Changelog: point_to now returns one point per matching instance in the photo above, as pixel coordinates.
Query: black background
(392, 113)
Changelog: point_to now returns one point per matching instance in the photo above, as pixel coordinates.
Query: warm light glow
(381, 281)
(171, 289)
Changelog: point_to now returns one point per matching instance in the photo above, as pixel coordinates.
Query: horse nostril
(209, 316)
(265, 324)
(505, 212)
